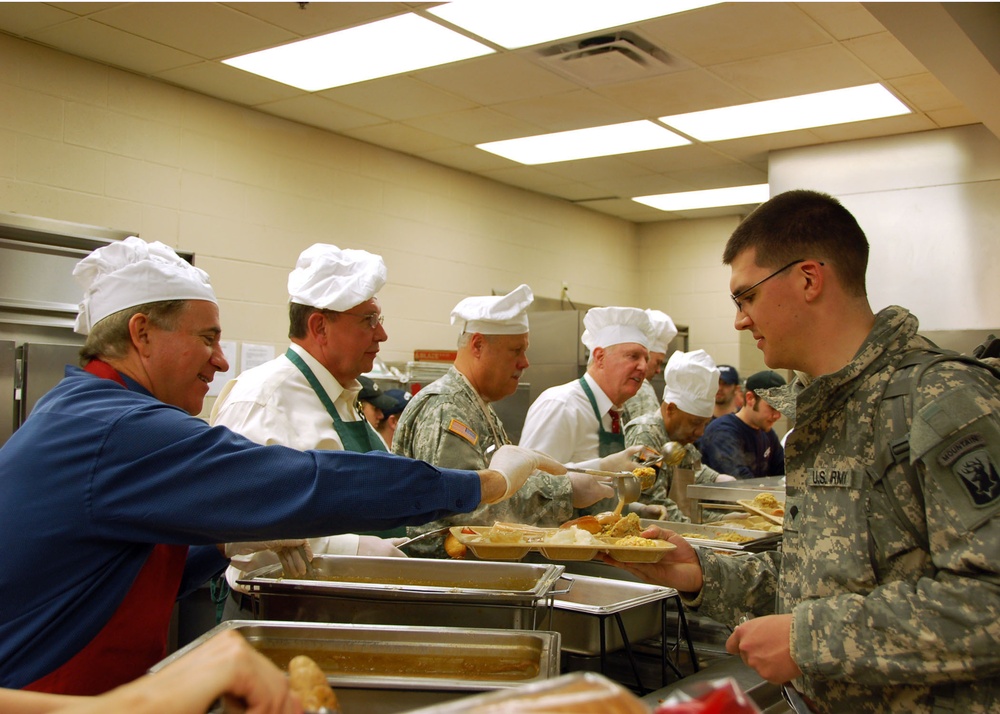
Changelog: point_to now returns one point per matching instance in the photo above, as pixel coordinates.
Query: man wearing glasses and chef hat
(126, 494)
(307, 398)
(579, 423)
(662, 333)
(451, 421)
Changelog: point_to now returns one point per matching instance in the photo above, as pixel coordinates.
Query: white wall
(930, 206)
(247, 192)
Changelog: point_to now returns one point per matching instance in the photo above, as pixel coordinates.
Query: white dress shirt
(274, 404)
(562, 424)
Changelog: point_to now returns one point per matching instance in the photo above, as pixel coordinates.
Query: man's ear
(316, 325)
(598, 353)
(476, 344)
(814, 278)
(138, 330)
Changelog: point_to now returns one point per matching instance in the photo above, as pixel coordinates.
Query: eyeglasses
(373, 319)
(741, 293)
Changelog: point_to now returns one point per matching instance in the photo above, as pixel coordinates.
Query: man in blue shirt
(744, 444)
(111, 479)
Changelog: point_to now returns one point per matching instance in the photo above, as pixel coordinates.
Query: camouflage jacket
(884, 621)
(445, 425)
(649, 430)
(643, 402)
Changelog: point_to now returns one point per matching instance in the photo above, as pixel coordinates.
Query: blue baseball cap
(728, 374)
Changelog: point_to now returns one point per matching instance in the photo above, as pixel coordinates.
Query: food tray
(515, 551)
(389, 668)
(749, 507)
(581, 612)
(407, 591)
(762, 540)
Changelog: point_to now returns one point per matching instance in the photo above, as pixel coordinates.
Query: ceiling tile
(466, 158)
(627, 209)
(23, 18)
(400, 137)
(317, 111)
(493, 79)
(678, 93)
(843, 20)
(474, 126)
(568, 110)
(317, 18)
(924, 92)
(736, 31)
(234, 85)
(884, 55)
(589, 170)
(95, 41)
(814, 69)
(205, 29)
(398, 98)
(681, 158)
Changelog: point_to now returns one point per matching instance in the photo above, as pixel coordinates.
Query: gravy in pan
(511, 667)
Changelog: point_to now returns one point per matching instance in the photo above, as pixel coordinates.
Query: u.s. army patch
(459, 429)
(977, 472)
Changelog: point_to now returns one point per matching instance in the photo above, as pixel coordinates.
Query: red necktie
(616, 422)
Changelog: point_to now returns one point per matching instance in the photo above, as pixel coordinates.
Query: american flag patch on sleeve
(459, 429)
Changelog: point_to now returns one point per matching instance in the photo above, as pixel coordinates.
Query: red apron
(135, 638)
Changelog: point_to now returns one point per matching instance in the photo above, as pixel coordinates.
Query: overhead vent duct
(607, 59)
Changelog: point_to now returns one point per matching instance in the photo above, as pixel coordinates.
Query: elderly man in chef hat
(307, 398)
(113, 477)
(579, 423)
(663, 332)
(451, 422)
(690, 382)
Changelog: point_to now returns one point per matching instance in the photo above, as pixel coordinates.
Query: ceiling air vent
(606, 59)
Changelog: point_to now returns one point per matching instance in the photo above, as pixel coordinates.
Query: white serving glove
(516, 464)
(722, 478)
(382, 547)
(652, 511)
(621, 461)
(293, 553)
(587, 490)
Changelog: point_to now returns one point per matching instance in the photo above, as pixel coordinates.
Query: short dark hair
(298, 319)
(110, 336)
(804, 224)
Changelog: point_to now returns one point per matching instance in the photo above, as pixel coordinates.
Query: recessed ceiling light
(586, 143)
(520, 23)
(839, 106)
(379, 49)
(712, 198)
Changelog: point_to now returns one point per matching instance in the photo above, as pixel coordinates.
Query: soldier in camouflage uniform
(690, 383)
(887, 588)
(450, 421)
(645, 400)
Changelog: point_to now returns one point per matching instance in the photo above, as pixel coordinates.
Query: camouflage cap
(780, 398)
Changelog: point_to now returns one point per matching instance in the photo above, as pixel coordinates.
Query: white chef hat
(664, 330)
(331, 278)
(133, 272)
(607, 326)
(691, 380)
(495, 314)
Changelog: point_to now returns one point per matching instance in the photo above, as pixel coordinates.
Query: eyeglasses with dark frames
(741, 293)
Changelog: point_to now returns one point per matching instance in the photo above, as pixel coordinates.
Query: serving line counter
(725, 495)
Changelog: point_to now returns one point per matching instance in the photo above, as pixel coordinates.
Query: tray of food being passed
(719, 535)
(766, 506)
(579, 539)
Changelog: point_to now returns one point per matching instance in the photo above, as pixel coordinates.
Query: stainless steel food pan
(380, 668)
(408, 591)
(591, 604)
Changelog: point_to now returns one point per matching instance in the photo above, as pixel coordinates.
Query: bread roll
(308, 681)
(453, 547)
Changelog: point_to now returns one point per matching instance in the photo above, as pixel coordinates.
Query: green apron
(357, 436)
(608, 443)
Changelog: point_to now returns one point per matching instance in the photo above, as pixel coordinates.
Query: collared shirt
(562, 424)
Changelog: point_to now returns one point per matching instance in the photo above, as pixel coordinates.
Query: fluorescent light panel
(378, 49)
(520, 23)
(712, 198)
(839, 106)
(586, 143)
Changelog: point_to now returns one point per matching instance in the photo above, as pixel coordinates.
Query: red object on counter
(722, 696)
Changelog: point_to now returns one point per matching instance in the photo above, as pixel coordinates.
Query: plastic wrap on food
(717, 696)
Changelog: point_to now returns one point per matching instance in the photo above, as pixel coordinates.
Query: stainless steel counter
(729, 492)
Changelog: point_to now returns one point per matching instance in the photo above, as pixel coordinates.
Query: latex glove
(382, 547)
(587, 490)
(652, 511)
(293, 553)
(621, 461)
(722, 478)
(516, 464)
(734, 516)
